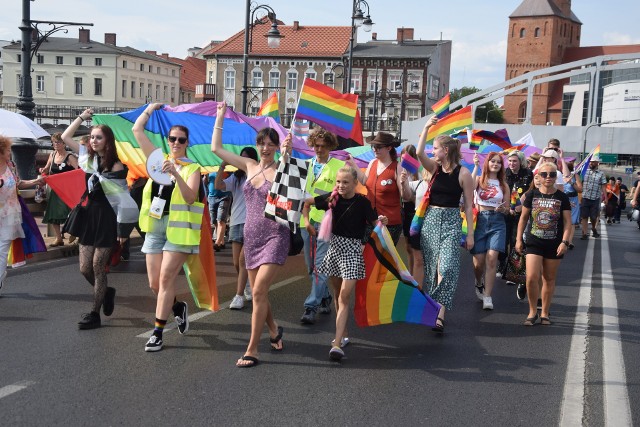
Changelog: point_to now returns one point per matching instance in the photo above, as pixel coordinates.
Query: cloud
(618, 38)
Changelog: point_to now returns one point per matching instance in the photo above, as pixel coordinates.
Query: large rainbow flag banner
(389, 293)
(270, 108)
(583, 167)
(334, 111)
(441, 108)
(456, 120)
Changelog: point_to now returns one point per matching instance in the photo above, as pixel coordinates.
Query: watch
(566, 243)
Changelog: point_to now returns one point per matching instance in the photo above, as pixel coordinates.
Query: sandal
(254, 361)
(545, 321)
(530, 321)
(277, 340)
(56, 243)
(439, 327)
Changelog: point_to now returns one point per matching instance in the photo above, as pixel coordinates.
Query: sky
(478, 29)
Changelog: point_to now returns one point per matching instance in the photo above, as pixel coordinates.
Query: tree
(488, 112)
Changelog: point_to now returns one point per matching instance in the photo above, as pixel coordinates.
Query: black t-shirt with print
(546, 222)
(350, 216)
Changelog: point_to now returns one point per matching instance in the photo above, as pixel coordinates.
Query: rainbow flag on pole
(456, 120)
(441, 108)
(270, 107)
(388, 293)
(499, 137)
(583, 167)
(474, 140)
(332, 110)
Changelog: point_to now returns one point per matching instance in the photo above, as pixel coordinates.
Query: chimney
(404, 34)
(151, 52)
(110, 38)
(165, 56)
(374, 36)
(296, 25)
(83, 36)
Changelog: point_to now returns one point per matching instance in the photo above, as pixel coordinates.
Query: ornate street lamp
(358, 19)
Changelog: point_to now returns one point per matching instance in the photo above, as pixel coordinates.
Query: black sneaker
(154, 344)
(309, 317)
(90, 321)
(521, 291)
(181, 313)
(325, 305)
(595, 233)
(109, 302)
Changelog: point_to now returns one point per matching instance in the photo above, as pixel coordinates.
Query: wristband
(566, 243)
(218, 127)
(81, 118)
(145, 112)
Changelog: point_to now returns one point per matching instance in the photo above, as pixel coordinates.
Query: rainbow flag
(461, 135)
(441, 108)
(456, 120)
(583, 167)
(389, 293)
(410, 164)
(475, 141)
(22, 249)
(465, 226)
(499, 137)
(515, 198)
(334, 111)
(300, 128)
(270, 108)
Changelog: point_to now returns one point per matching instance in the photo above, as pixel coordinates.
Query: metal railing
(65, 112)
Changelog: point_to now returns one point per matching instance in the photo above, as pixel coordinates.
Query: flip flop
(277, 339)
(530, 321)
(545, 321)
(254, 361)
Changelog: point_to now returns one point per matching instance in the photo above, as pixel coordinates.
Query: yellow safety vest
(322, 184)
(185, 220)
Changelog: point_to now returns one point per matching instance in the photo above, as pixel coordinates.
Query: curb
(68, 251)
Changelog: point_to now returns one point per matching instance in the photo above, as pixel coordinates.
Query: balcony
(205, 92)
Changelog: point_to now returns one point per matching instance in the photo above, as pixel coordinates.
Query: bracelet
(145, 112)
(81, 118)
(566, 243)
(218, 127)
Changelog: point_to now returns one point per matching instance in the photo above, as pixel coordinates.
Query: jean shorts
(155, 241)
(236, 233)
(490, 234)
(219, 208)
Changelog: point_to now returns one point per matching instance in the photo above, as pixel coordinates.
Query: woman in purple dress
(266, 243)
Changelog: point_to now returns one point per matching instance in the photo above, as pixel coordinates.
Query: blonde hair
(349, 170)
(453, 149)
(548, 165)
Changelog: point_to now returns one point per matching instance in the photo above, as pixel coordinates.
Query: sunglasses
(180, 139)
(548, 174)
(379, 147)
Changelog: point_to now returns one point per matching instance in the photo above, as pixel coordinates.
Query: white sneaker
(498, 275)
(487, 303)
(237, 303)
(479, 291)
(344, 341)
(247, 292)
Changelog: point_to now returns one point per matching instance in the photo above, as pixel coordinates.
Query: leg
(85, 259)
(4, 252)
(154, 264)
(490, 275)
(241, 269)
(534, 267)
(101, 258)
(478, 267)
(549, 274)
(169, 269)
(417, 269)
(343, 296)
(221, 229)
(57, 233)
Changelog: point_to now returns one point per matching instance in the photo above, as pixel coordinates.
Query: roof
(299, 40)
(67, 44)
(193, 72)
(529, 8)
(419, 49)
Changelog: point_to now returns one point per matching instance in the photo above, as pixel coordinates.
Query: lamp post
(273, 41)
(331, 78)
(358, 19)
(413, 84)
(388, 104)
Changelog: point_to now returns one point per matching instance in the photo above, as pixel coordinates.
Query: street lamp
(414, 85)
(273, 41)
(358, 19)
(331, 79)
(388, 104)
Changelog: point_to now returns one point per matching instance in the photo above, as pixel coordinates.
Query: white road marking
(205, 313)
(572, 408)
(14, 388)
(617, 411)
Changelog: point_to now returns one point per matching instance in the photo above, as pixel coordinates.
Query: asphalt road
(486, 370)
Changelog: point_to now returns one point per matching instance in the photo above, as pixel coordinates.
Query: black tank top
(446, 189)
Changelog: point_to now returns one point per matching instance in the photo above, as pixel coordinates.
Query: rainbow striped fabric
(410, 164)
(270, 108)
(389, 293)
(441, 108)
(583, 167)
(334, 111)
(465, 226)
(456, 120)
(475, 141)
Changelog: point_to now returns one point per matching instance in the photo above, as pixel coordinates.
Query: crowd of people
(525, 211)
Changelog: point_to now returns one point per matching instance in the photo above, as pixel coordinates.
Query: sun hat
(551, 153)
(385, 139)
(534, 157)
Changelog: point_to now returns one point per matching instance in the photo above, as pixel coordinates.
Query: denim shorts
(155, 241)
(490, 234)
(236, 233)
(219, 208)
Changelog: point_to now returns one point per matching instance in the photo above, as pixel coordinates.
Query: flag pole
(298, 104)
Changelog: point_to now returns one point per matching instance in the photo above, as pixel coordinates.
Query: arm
(67, 135)
(73, 160)
(138, 129)
(216, 143)
(566, 232)
(427, 163)
(524, 218)
(305, 214)
(467, 190)
(47, 167)
(219, 183)
(362, 176)
(405, 189)
(188, 189)
(636, 192)
(563, 169)
(476, 166)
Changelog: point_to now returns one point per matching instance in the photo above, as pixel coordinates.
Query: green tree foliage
(488, 112)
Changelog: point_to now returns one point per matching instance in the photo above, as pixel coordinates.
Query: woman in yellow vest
(171, 216)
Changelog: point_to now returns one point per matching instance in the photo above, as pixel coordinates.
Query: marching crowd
(525, 213)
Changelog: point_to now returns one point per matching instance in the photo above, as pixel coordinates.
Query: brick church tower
(539, 33)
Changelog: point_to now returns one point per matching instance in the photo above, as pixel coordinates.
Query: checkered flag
(286, 196)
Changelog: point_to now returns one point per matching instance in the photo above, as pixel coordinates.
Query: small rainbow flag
(474, 140)
(515, 198)
(334, 111)
(441, 108)
(456, 120)
(465, 226)
(389, 293)
(461, 135)
(410, 164)
(583, 167)
(270, 107)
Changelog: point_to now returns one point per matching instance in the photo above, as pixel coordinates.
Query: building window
(374, 83)
(522, 32)
(274, 79)
(173, 94)
(124, 88)
(124, 63)
(164, 93)
(149, 92)
(150, 68)
(141, 67)
(79, 60)
(173, 73)
(356, 83)
(59, 81)
(133, 89)
(328, 79)
(141, 91)
(59, 60)
(230, 79)
(210, 76)
(292, 80)
(40, 59)
(413, 113)
(256, 78)
(40, 83)
(310, 75)
(97, 83)
(157, 70)
(395, 82)
(98, 62)
(157, 91)
(78, 84)
(19, 57)
(536, 33)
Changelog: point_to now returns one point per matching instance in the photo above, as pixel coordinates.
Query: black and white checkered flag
(286, 196)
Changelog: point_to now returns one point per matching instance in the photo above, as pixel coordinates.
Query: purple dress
(265, 241)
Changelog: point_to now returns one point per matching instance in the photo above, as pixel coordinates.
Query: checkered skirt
(344, 258)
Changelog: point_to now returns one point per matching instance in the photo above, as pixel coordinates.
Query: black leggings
(93, 264)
